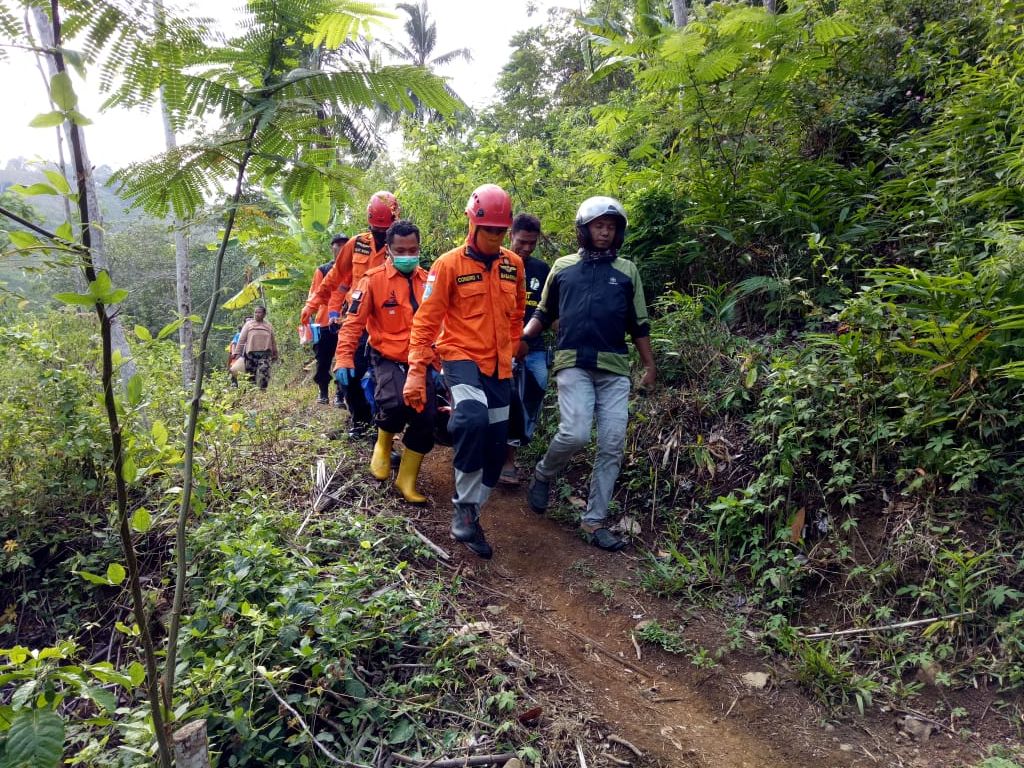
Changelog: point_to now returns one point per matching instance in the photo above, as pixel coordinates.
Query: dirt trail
(578, 606)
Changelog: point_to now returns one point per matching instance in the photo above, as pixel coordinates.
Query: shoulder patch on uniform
(432, 277)
(508, 272)
(473, 277)
(362, 247)
(357, 297)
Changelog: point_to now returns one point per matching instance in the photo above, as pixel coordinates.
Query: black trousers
(358, 408)
(479, 428)
(324, 349)
(393, 415)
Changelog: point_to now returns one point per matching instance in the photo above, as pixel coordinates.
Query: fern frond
(683, 46)
(748, 22)
(717, 64)
(356, 19)
(832, 28)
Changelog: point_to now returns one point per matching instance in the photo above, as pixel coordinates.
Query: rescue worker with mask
(597, 298)
(362, 252)
(384, 304)
(473, 308)
(326, 338)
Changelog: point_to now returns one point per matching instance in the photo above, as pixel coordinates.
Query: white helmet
(595, 207)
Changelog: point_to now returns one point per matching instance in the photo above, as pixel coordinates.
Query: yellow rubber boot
(380, 462)
(408, 471)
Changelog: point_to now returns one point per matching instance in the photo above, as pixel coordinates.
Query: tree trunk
(182, 278)
(680, 13)
(95, 225)
(190, 746)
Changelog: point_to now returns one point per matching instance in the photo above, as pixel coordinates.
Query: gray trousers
(582, 395)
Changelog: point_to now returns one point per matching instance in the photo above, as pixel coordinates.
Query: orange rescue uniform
(383, 303)
(355, 257)
(320, 318)
(473, 312)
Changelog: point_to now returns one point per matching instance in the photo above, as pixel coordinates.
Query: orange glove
(307, 313)
(415, 390)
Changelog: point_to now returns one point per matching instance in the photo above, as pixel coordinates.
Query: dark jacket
(597, 299)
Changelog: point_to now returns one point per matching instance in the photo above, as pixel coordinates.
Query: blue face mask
(405, 264)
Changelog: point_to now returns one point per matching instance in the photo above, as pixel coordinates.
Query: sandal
(509, 476)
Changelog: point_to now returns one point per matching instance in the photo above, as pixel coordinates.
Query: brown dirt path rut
(539, 577)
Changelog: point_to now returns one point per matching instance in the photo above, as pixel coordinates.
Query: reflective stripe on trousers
(478, 426)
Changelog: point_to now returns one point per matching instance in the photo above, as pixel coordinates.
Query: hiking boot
(466, 528)
(537, 494)
(339, 400)
(321, 400)
(603, 538)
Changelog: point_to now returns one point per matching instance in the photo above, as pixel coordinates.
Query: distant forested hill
(116, 215)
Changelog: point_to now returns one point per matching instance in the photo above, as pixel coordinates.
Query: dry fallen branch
(430, 545)
(613, 739)
(610, 654)
(456, 762)
(312, 736)
(884, 627)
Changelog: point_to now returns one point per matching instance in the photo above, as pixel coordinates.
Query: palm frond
(447, 58)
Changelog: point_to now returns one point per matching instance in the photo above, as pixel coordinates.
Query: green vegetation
(825, 204)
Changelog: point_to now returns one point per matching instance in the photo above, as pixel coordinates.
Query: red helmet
(489, 206)
(382, 210)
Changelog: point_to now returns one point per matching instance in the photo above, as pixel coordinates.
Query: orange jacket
(381, 304)
(354, 258)
(320, 318)
(477, 311)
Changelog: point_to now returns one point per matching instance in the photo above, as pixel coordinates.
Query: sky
(117, 137)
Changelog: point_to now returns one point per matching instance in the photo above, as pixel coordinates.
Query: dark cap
(341, 237)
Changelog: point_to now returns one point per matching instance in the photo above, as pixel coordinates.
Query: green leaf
(75, 298)
(170, 328)
(78, 118)
(402, 732)
(58, 181)
(117, 296)
(103, 697)
(65, 232)
(39, 188)
(36, 739)
(129, 471)
(137, 673)
(159, 433)
(135, 389)
(143, 333)
(829, 29)
(23, 694)
(61, 91)
(92, 578)
(23, 239)
(142, 521)
(47, 120)
(101, 286)
(115, 573)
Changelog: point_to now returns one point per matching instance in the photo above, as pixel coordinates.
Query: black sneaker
(604, 539)
(339, 401)
(322, 400)
(358, 430)
(537, 494)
